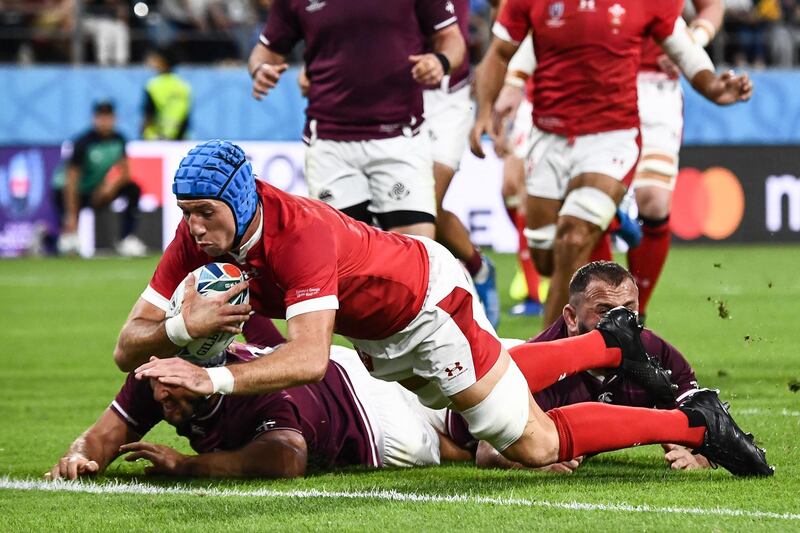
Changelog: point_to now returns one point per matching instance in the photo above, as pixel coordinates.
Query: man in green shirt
(87, 182)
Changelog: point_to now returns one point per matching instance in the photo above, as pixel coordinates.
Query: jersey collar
(241, 255)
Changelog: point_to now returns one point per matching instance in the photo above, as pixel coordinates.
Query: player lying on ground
(594, 289)
(407, 306)
(346, 419)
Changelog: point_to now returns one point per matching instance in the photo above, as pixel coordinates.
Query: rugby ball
(210, 279)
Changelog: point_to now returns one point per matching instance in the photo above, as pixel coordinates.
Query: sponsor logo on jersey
(586, 5)
(556, 13)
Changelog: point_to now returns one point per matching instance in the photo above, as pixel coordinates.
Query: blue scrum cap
(219, 170)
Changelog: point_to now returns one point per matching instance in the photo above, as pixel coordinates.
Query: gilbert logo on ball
(212, 278)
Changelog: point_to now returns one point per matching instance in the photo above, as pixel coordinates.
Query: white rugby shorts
(448, 121)
(401, 435)
(394, 174)
(556, 159)
(450, 343)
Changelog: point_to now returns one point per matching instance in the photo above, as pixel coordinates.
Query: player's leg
(405, 437)
(661, 114)
(333, 176)
(400, 179)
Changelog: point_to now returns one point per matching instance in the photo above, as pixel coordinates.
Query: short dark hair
(606, 271)
(103, 107)
(167, 55)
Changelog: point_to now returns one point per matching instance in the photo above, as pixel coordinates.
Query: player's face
(211, 223)
(104, 123)
(599, 298)
(177, 403)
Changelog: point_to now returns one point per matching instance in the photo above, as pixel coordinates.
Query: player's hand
(265, 78)
(206, 315)
(564, 467)
(483, 124)
(667, 66)
(508, 102)
(178, 372)
(427, 69)
(681, 458)
(166, 460)
(734, 88)
(72, 466)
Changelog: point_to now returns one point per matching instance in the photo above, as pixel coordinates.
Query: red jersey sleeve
(282, 29)
(305, 265)
(434, 15)
(513, 21)
(663, 16)
(181, 257)
(136, 406)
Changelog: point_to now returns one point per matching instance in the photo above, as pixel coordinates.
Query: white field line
(770, 412)
(374, 494)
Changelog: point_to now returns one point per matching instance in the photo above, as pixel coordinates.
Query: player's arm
(449, 50)
(147, 332)
(265, 67)
(693, 61)
(303, 359)
(708, 20)
(275, 454)
(94, 449)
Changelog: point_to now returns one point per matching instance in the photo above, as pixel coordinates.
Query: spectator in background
(87, 183)
(167, 100)
(106, 21)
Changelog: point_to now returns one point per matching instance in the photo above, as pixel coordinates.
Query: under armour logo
(450, 8)
(606, 397)
(454, 370)
(586, 5)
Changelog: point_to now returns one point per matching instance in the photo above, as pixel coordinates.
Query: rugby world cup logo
(556, 13)
(22, 183)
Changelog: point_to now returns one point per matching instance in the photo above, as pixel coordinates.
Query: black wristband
(444, 61)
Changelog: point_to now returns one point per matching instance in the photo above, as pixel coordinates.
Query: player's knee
(574, 235)
(589, 205)
(501, 418)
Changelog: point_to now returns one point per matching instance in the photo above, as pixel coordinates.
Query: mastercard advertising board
(738, 194)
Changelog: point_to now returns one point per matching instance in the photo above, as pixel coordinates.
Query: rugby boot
(620, 328)
(725, 443)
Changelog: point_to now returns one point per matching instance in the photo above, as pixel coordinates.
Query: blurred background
(59, 59)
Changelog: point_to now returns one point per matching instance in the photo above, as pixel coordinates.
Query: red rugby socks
(647, 260)
(544, 363)
(585, 428)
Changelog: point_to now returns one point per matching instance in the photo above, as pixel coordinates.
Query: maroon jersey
(460, 77)
(587, 55)
(584, 387)
(311, 257)
(356, 58)
(327, 414)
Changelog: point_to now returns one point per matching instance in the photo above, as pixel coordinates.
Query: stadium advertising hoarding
(738, 194)
(724, 194)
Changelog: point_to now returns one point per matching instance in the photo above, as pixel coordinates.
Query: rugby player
(346, 419)
(448, 119)
(366, 68)
(585, 108)
(408, 307)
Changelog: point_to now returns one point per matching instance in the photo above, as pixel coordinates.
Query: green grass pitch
(732, 311)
